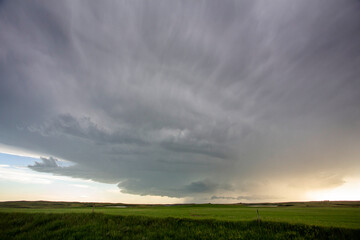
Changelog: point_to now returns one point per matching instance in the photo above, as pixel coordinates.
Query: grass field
(337, 220)
(102, 226)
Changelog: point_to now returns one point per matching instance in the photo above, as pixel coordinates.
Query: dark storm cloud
(47, 164)
(184, 98)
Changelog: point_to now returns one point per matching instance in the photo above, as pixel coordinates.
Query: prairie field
(61, 220)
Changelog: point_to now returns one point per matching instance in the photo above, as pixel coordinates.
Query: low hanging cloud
(185, 99)
(46, 165)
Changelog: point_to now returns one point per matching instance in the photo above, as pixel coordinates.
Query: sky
(182, 101)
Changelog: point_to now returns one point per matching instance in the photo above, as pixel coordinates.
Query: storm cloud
(186, 98)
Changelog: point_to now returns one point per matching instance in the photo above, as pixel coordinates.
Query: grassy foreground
(74, 220)
(102, 226)
(326, 214)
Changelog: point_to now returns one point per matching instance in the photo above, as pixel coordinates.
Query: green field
(326, 220)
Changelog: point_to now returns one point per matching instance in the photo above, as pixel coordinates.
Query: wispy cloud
(22, 175)
(80, 185)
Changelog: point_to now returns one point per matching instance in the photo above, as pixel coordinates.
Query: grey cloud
(52, 165)
(46, 165)
(156, 97)
(84, 128)
(194, 189)
(206, 187)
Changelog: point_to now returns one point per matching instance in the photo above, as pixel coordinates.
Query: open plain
(59, 220)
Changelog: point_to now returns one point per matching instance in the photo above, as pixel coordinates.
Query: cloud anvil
(207, 100)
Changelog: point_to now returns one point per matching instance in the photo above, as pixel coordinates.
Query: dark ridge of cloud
(202, 148)
(86, 129)
(46, 165)
(51, 165)
(205, 187)
(156, 97)
(194, 189)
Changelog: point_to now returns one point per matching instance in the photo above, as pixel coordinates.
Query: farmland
(326, 220)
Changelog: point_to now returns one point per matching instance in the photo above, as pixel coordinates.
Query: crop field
(44, 220)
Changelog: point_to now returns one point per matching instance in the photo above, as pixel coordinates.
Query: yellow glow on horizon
(350, 190)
